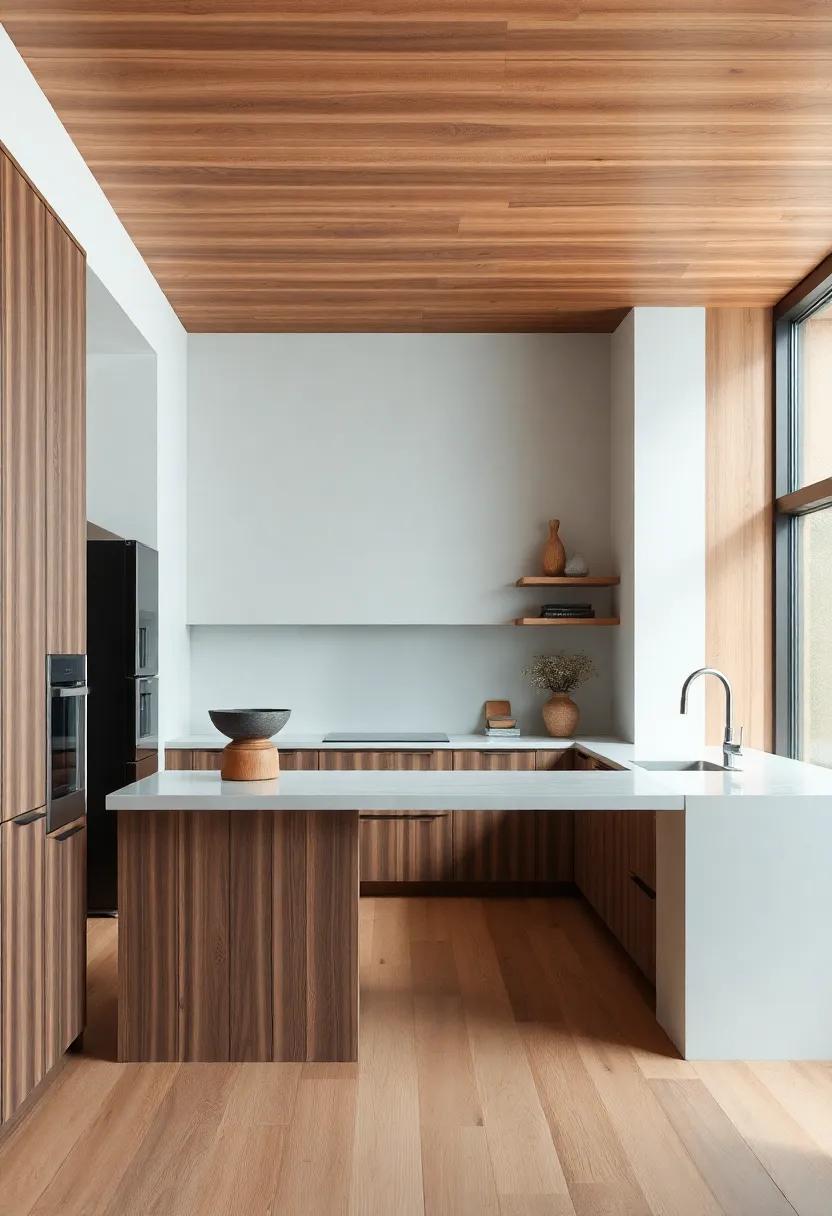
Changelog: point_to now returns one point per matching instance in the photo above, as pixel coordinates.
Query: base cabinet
(615, 869)
(406, 848)
(22, 957)
(65, 938)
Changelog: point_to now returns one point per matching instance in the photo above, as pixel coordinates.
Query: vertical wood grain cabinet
(509, 846)
(615, 869)
(400, 846)
(22, 457)
(42, 611)
(22, 967)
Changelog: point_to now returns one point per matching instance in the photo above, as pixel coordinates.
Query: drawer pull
(23, 821)
(643, 886)
(71, 832)
(428, 817)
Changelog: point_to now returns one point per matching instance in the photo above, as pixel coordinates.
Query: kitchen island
(239, 902)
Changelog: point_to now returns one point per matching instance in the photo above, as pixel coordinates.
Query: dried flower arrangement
(560, 672)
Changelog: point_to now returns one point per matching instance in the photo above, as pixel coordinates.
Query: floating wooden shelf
(561, 580)
(567, 620)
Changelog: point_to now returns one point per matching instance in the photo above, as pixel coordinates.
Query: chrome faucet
(730, 749)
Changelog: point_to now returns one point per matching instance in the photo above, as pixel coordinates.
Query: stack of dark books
(557, 611)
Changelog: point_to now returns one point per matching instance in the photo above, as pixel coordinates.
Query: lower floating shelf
(568, 620)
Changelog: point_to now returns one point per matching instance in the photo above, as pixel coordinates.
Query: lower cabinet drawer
(406, 848)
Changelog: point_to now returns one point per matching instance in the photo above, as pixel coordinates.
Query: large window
(804, 523)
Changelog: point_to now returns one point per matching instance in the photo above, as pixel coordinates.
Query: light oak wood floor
(510, 1063)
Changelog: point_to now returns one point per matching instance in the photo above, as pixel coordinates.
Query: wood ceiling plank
(511, 164)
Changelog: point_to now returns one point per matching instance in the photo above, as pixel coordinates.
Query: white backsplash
(387, 677)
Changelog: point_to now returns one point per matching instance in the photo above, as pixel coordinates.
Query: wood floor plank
(522, 1153)
(798, 1166)
(505, 1053)
(624, 990)
(387, 1163)
(35, 1149)
(89, 1175)
(263, 1094)
(719, 1152)
(804, 1089)
(456, 1165)
(316, 1170)
(241, 1172)
(669, 1181)
(164, 1172)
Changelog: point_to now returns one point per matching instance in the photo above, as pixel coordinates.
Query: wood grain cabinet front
(66, 511)
(509, 846)
(65, 934)
(208, 759)
(615, 865)
(22, 493)
(399, 846)
(22, 957)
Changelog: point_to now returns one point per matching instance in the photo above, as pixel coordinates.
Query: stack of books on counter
(554, 611)
(499, 724)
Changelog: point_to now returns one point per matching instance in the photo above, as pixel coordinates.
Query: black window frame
(792, 500)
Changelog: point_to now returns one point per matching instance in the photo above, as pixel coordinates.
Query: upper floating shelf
(567, 620)
(562, 580)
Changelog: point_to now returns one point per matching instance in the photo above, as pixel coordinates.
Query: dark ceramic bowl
(249, 723)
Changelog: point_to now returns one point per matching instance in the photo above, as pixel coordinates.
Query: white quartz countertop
(288, 743)
(626, 788)
(399, 791)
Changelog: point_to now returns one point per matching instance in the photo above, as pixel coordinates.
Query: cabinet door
(210, 759)
(65, 934)
(22, 494)
(297, 759)
(397, 847)
(385, 760)
(509, 846)
(177, 759)
(22, 845)
(66, 510)
(202, 759)
(406, 848)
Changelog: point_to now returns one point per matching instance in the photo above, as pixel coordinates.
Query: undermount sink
(681, 766)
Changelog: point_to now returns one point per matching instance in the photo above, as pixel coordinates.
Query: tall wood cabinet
(66, 444)
(23, 496)
(42, 611)
(22, 965)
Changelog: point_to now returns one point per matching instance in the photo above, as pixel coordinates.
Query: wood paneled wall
(739, 518)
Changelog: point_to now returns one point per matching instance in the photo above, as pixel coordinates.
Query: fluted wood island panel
(238, 935)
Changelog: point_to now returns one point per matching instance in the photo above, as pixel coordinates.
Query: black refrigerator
(123, 708)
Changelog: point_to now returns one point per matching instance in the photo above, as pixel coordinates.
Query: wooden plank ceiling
(452, 164)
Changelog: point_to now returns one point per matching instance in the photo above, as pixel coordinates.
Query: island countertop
(627, 787)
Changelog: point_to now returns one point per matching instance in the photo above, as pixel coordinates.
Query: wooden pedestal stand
(250, 760)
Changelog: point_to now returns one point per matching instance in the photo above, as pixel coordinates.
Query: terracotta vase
(560, 714)
(554, 554)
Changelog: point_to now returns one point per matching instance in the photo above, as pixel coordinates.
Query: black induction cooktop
(381, 736)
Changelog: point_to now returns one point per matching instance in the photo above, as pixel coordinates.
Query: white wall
(390, 478)
(121, 445)
(385, 678)
(658, 395)
(33, 134)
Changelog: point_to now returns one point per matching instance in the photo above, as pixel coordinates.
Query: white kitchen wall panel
(387, 677)
(391, 478)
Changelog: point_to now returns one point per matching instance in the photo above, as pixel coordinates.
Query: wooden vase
(560, 714)
(554, 554)
(250, 760)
